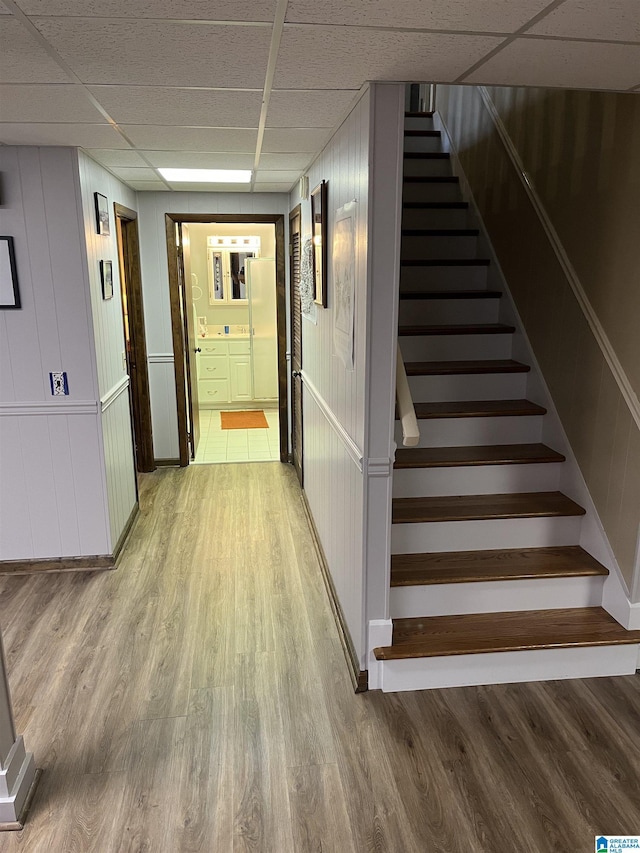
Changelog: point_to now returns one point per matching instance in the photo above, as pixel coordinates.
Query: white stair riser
(419, 123)
(455, 347)
(449, 191)
(427, 217)
(427, 167)
(464, 432)
(483, 386)
(443, 278)
(485, 535)
(447, 311)
(507, 667)
(475, 480)
(422, 143)
(494, 596)
(438, 247)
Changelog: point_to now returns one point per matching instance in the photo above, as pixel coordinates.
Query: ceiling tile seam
(274, 50)
(197, 22)
(572, 39)
(19, 15)
(496, 50)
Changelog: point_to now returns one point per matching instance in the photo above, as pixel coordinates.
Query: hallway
(197, 699)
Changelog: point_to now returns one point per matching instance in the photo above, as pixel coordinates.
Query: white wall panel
(119, 464)
(152, 207)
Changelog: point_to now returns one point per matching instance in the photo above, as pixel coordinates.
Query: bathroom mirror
(226, 266)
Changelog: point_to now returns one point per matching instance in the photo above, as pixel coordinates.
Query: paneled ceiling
(261, 84)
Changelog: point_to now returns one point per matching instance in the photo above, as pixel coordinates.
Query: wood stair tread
(478, 409)
(450, 294)
(448, 368)
(440, 232)
(462, 329)
(497, 565)
(444, 262)
(494, 454)
(483, 507)
(502, 632)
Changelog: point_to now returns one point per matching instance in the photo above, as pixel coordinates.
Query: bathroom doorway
(227, 296)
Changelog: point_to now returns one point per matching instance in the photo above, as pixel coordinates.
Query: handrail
(406, 410)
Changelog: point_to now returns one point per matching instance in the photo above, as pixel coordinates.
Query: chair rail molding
(113, 393)
(53, 407)
(352, 448)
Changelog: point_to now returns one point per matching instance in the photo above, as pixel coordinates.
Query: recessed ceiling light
(207, 176)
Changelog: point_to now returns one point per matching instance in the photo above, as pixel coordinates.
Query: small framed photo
(106, 277)
(9, 293)
(102, 214)
(319, 236)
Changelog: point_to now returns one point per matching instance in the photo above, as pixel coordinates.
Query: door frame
(139, 393)
(276, 219)
(293, 214)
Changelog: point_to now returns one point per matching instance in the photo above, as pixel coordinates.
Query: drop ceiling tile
(148, 186)
(273, 188)
(133, 173)
(617, 20)
(22, 59)
(116, 157)
(160, 52)
(571, 65)
(200, 160)
(76, 135)
(295, 139)
(58, 103)
(285, 161)
(165, 105)
(495, 16)
(150, 137)
(272, 176)
(319, 108)
(221, 10)
(349, 56)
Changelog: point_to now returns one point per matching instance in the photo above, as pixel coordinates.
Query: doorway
(295, 249)
(227, 296)
(134, 335)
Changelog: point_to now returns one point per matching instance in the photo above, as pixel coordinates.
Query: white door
(261, 279)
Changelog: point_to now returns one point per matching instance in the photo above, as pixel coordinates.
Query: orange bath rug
(243, 420)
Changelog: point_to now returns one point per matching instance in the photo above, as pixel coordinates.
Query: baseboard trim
(126, 531)
(97, 563)
(18, 825)
(165, 463)
(359, 678)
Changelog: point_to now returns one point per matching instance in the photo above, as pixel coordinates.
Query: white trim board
(61, 406)
(619, 374)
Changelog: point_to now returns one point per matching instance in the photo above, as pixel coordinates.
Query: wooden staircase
(488, 581)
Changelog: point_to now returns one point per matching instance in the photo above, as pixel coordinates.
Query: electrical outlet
(59, 384)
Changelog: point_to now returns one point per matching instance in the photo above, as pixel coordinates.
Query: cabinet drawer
(213, 347)
(239, 347)
(213, 367)
(213, 391)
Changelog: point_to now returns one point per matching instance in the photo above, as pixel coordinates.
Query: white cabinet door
(240, 377)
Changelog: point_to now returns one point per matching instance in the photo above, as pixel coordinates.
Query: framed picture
(319, 237)
(106, 277)
(102, 214)
(9, 293)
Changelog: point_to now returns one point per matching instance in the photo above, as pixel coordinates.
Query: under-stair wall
(594, 395)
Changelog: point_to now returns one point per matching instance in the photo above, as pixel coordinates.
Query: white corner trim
(160, 358)
(379, 467)
(113, 393)
(380, 634)
(59, 406)
(630, 397)
(352, 448)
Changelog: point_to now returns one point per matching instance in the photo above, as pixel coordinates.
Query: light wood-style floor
(197, 699)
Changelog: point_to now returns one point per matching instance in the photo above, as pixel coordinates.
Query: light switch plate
(59, 384)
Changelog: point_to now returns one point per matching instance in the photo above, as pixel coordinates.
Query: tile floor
(237, 445)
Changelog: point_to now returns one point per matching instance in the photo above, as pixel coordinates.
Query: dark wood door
(191, 348)
(296, 344)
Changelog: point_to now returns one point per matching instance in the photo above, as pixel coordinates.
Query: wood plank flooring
(197, 699)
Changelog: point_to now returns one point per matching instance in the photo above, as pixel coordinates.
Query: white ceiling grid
(261, 84)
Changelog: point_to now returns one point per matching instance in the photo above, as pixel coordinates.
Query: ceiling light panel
(221, 10)
(350, 55)
(320, 108)
(570, 65)
(209, 176)
(496, 16)
(173, 106)
(160, 53)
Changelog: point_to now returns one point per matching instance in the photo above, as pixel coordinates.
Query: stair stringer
(616, 596)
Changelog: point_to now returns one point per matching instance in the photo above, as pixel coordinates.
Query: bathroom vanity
(224, 370)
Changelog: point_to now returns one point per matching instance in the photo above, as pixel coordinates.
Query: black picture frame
(106, 278)
(102, 214)
(9, 291)
(319, 237)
